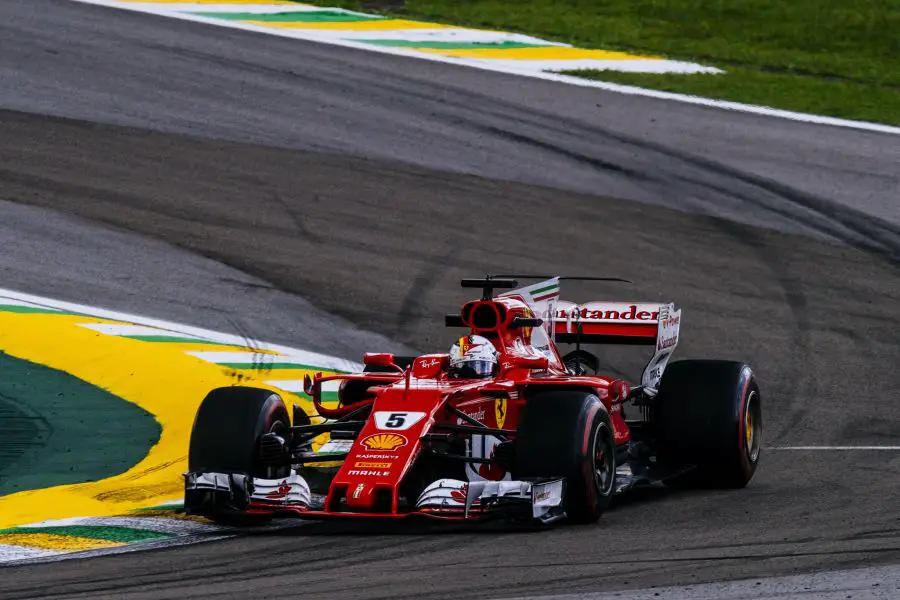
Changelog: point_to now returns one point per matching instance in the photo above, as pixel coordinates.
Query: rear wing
(597, 322)
(604, 323)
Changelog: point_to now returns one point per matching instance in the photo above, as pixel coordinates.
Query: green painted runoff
(56, 429)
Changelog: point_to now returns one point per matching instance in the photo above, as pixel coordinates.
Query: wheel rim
(752, 426)
(604, 461)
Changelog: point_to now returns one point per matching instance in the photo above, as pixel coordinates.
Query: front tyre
(569, 434)
(225, 439)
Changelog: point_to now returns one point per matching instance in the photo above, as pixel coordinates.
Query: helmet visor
(473, 369)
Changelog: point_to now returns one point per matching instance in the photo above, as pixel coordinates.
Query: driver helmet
(473, 357)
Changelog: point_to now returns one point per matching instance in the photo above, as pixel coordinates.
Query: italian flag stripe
(553, 287)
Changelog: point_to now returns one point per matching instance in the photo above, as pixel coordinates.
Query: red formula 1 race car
(503, 426)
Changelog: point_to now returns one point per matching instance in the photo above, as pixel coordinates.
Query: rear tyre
(569, 434)
(225, 439)
(708, 414)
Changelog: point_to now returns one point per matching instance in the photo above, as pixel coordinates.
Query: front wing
(219, 494)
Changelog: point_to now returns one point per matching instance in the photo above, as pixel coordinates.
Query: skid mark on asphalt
(497, 51)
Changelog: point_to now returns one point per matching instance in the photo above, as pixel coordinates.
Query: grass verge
(830, 57)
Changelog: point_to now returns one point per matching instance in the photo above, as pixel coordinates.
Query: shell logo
(384, 441)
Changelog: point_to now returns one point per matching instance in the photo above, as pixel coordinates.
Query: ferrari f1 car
(545, 436)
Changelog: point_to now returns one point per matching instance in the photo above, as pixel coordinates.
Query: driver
(473, 357)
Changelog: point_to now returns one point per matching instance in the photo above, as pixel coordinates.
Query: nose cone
(361, 497)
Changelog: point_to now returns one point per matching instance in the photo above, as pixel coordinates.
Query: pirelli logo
(372, 465)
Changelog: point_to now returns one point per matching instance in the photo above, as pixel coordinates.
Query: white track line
(184, 540)
(17, 555)
(9, 553)
(161, 524)
(225, 7)
(840, 448)
(764, 111)
(15, 302)
(125, 330)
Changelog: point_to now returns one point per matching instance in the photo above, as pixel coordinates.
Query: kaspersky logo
(384, 441)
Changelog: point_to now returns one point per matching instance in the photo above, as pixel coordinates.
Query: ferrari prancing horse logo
(500, 411)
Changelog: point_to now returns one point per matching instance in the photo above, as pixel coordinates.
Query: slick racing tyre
(708, 415)
(226, 433)
(569, 434)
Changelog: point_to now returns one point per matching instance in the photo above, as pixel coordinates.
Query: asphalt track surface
(217, 177)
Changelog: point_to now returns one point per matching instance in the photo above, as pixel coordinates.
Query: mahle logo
(384, 441)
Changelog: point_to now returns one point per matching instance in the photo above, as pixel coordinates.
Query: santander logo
(595, 311)
(667, 342)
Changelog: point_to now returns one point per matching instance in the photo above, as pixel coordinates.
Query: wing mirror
(379, 359)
